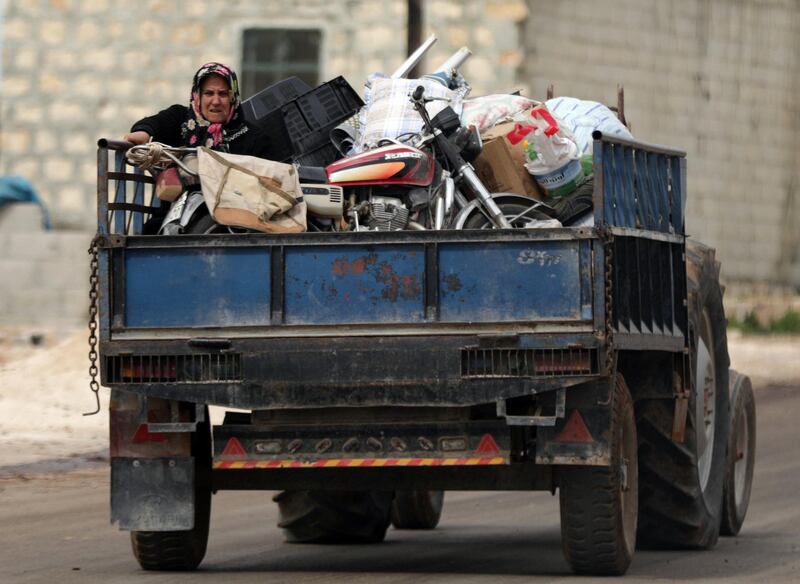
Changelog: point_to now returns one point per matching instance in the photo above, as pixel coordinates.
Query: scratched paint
(501, 282)
(538, 256)
(342, 266)
(354, 284)
(452, 283)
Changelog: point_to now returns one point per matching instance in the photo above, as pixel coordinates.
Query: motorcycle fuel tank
(394, 164)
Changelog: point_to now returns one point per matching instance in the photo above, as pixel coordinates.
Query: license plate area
(378, 445)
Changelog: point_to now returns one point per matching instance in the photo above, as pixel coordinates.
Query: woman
(214, 118)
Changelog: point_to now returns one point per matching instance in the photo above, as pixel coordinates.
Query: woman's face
(215, 99)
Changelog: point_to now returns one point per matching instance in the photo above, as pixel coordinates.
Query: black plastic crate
(274, 130)
(310, 117)
(321, 156)
(273, 97)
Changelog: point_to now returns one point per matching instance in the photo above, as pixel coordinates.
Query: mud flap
(582, 436)
(153, 494)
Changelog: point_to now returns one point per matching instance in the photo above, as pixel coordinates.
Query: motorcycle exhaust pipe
(403, 70)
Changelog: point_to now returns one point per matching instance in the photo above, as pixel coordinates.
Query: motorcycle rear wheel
(511, 211)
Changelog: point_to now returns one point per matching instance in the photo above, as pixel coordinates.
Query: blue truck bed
(256, 320)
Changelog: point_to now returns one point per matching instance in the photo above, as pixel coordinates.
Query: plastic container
(310, 117)
(561, 181)
(321, 156)
(263, 111)
(552, 154)
(273, 97)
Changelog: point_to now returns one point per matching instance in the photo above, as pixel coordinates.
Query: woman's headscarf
(198, 131)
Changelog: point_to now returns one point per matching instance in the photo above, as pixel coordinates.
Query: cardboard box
(501, 165)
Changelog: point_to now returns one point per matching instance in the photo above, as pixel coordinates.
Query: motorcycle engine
(386, 214)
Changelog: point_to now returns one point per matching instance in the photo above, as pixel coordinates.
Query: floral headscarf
(198, 131)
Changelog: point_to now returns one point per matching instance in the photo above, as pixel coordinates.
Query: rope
(155, 155)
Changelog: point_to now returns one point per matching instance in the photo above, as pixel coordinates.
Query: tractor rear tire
(741, 455)
(680, 484)
(599, 504)
(417, 509)
(334, 516)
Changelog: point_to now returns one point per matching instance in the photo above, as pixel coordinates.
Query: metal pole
(414, 38)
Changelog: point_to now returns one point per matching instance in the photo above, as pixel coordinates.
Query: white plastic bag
(583, 117)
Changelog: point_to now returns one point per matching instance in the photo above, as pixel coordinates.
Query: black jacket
(165, 127)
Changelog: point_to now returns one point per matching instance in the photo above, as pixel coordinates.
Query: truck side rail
(640, 197)
(639, 185)
(125, 194)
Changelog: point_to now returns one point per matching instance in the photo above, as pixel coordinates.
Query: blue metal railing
(126, 196)
(638, 185)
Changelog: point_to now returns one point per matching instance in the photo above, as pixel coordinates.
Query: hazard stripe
(358, 462)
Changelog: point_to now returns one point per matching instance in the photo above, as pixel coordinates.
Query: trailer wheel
(599, 504)
(417, 509)
(334, 516)
(182, 550)
(680, 496)
(741, 455)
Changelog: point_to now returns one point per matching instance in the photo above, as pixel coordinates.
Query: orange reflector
(234, 448)
(487, 446)
(575, 430)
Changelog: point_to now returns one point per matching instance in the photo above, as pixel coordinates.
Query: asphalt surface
(54, 528)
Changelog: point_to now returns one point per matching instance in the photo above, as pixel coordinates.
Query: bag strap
(267, 184)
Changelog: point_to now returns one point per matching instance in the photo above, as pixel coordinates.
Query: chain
(608, 253)
(93, 295)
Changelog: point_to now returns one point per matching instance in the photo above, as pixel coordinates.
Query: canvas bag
(256, 193)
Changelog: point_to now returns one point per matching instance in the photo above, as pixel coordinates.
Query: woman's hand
(140, 137)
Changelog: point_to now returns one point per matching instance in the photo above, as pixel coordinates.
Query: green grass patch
(788, 324)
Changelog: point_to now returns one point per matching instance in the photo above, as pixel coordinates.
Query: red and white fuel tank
(395, 164)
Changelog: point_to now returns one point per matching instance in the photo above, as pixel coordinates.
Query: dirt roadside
(44, 391)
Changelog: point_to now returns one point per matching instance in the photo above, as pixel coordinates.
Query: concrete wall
(718, 78)
(44, 275)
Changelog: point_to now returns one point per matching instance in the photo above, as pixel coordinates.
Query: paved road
(55, 529)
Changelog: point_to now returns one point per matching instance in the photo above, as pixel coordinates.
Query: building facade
(719, 79)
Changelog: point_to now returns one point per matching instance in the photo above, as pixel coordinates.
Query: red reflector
(487, 445)
(149, 369)
(234, 448)
(144, 435)
(565, 362)
(575, 430)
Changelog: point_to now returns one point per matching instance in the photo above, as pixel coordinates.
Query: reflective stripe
(357, 462)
